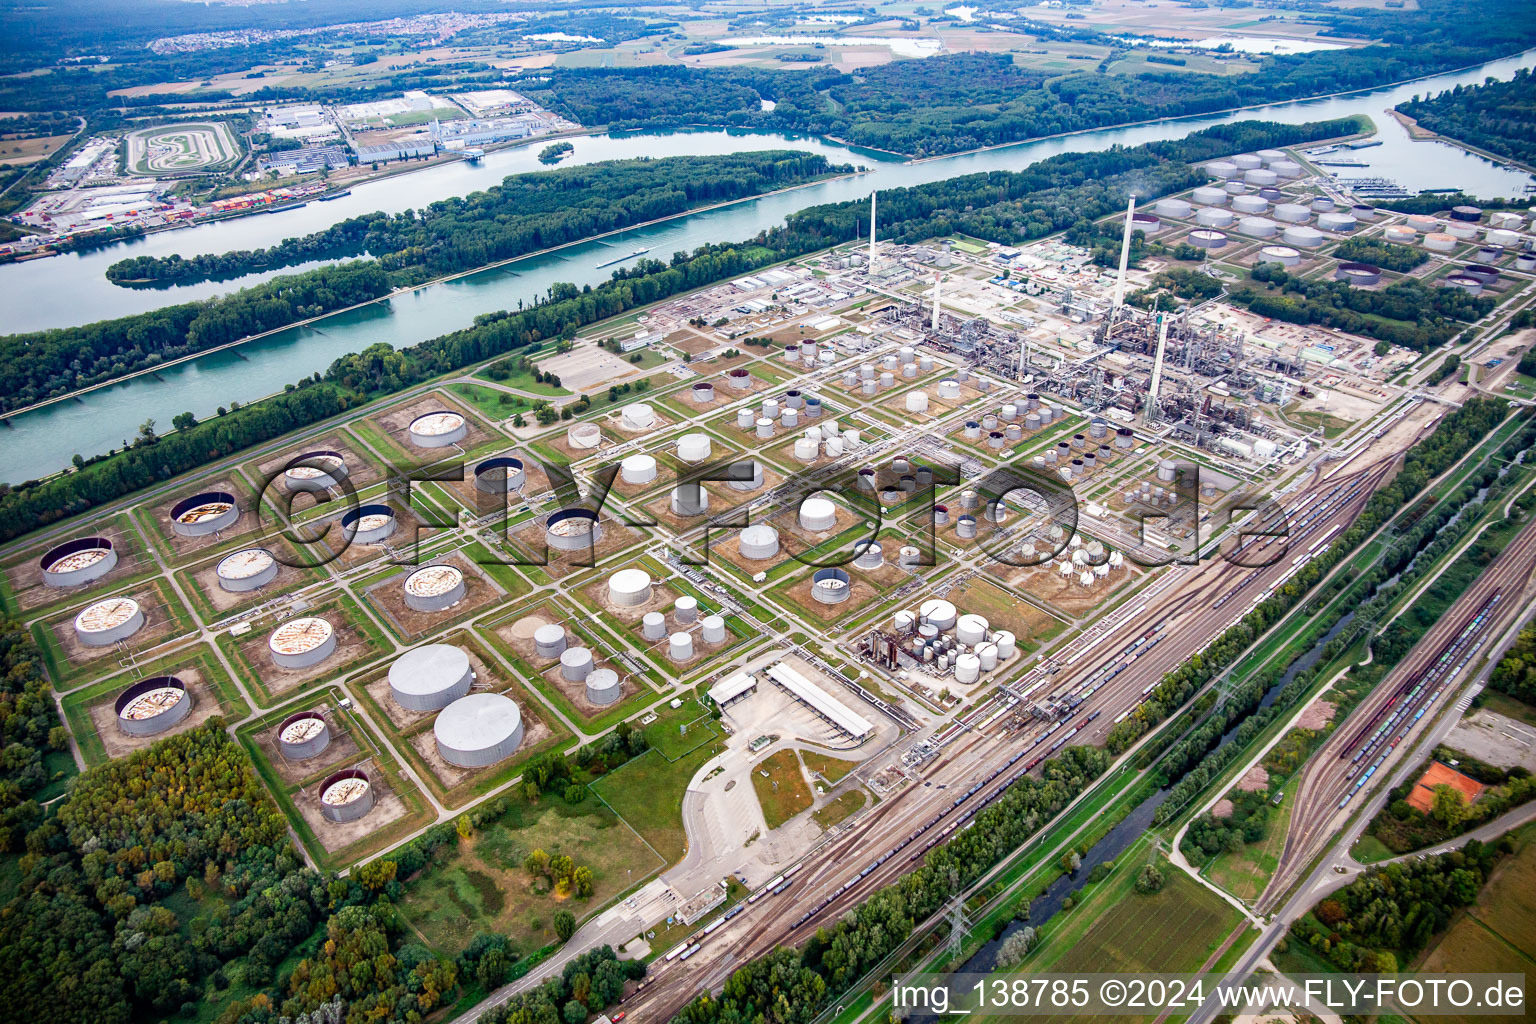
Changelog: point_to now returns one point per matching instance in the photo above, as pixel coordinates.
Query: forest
(29, 731)
(1387, 255)
(956, 102)
(525, 213)
(1381, 919)
(1407, 312)
(1007, 206)
(1495, 116)
(1515, 674)
(45, 364)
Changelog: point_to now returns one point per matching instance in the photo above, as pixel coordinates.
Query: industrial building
(818, 700)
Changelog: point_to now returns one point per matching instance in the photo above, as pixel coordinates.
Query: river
(72, 289)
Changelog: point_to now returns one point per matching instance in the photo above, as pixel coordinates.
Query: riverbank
(411, 289)
(1419, 133)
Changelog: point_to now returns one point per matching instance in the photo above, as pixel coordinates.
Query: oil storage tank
(629, 587)
(315, 471)
(152, 706)
(759, 542)
(106, 622)
(500, 475)
(245, 570)
(572, 529)
(437, 429)
(302, 642)
(603, 686)
(549, 640)
(79, 561)
(817, 515)
(204, 514)
(830, 586)
(346, 796)
(430, 677)
(303, 735)
(433, 588)
(368, 524)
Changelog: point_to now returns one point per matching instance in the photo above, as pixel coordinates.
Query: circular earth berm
(106, 622)
(78, 561)
(437, 429)
(817, 515)
(603, 686)
(830, 586)
(433, 588)
(479, 730)
(151, 706)
(573, 529)
(368, 524)
(346, 795)
(629, 587)
(246, 569)
(549, 640)
(319, 470)
(500, 475)
(303, 735)
(302, 642)
(203, 514)
(430, 677)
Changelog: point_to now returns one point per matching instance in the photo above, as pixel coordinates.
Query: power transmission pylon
(959, 926)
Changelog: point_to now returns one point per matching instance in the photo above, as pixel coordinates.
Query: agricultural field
(177, 149)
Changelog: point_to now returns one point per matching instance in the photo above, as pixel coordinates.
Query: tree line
(1495, 116)
(525, 213)
(45, 364)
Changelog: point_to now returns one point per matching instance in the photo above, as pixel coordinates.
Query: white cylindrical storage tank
(871, 557)
(1175, 208)
(1462, 232)
(106, 622)
(703, 392)
(245, 570)
(637, 469)
(1213, 217)
(887, 379)
(830, 586)
(1221, 169)
(987, 654)
(1292, 213)
(1257, 227)
(938, 613)
(1501, 236)
(806, 450)
(1116, 559)
(653, 626)
(739, 379)
(1337, 222)
(479, 730)
(1208, 195)
(499, 476)
(629, 587)
(794, 399)
(917, 401)
(315, 471)
(1085, 579)
(433, 588)
(909, 371)
(303, 735)
(368, 524)
(1167, 470)
(346, 796)
(549, 640)
(834, 447)
(759, 541)
(693, 447)
(1249, 204)
(949, 388)
(1506, 220)
(685, 608)
(1207, 238)
(970, 629)
(1286, 168)
(1303, 236)
(745, 419)
(789, 418)
(302, 642)
(1260, 176)
(1422, 224)
(903, 622)
(1439, 241)
(680, 646)
(430, 677)
(573, 529)
(1234, 188)
(748, 485)
(967, 668)
(965, 527)
(583, 435)
(689, 500)
(712, 628)
(1101, 571)
(575, 664)
(817, 515)
(1007, 644)
(204, 514)
(1247, 161)
(764, 427)
(638, 416)
(603, 686)
(79, 561)
(1281, 254)
(437, 429)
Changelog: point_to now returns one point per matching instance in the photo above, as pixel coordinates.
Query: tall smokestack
(935, 324)
(872, 232)
(1157, 367)
(1125, 259)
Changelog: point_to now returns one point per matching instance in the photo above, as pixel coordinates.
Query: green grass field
(830, 768)
(480, 885)
(648, 793)
(1245, 872)
(489, 402)
(780, 787)
(839, 810)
